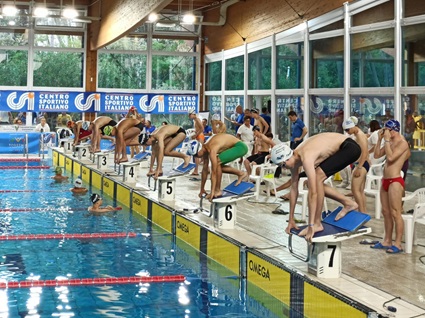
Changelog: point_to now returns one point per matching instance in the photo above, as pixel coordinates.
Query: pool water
(45, 206)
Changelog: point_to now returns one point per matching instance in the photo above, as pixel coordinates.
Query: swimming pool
(32, 203)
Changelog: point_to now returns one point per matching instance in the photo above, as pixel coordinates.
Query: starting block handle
(299, 256)
(149, 183)
(208, 213)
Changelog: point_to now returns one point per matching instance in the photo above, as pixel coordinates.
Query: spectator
(246, 134)
(207, 129)
(266, 116)
(43, 127)
(63, 119)
(259, 121)
(409, 128)
(239, 119)
(298, 130)
(263, 144)
(198, 135)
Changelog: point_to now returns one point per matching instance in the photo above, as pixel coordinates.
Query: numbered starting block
(166, 184)
(67, 146)
(224, 208)
(324, 254)
(130, 170)
(83, 151)
(102, 160)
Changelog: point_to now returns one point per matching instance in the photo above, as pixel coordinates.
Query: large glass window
(122, 70)
(414, 62)
(373, 59)
(213, 76)
(58, 40)
(230, 111)
(130, 43)
(372, 107)
(13, 38)
(326, 114)
(284, 104)
(235, 73)
(58, 69)
(13, 68)
(173, 72)
(173, 45)
(213, 104)
(259, 69)
(290, 66)
(328, 63)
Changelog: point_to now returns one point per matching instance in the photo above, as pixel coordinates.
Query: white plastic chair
(373, 186)
(303, 192)
(266, 175)
(418, 216)
(63, 134)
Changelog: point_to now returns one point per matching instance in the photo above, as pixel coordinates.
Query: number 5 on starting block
(166, 188)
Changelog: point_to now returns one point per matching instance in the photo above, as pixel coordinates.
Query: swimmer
(97, 205)
(103, 128)
(78, 187)
(319, 163)
(164, 140)
(82, 130)
(58, 177)
(220, 149)
(396, 149)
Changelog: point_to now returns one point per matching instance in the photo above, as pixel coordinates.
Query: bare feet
(309, 231)
(241, 178)
(186, 161)
(150, 173)
(123, 160)
(345, 210)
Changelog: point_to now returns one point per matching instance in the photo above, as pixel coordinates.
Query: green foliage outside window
(235, 73)
(13, 68)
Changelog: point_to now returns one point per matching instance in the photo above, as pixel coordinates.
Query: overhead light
(70, 13)
(153, 17)
(189, 18)
(41, 12)
(10, 10)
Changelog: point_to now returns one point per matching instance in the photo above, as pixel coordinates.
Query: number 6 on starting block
(224, 215)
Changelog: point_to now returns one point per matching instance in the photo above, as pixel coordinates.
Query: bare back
(221, 142)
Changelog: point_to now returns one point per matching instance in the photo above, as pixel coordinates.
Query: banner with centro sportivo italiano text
(74, 102)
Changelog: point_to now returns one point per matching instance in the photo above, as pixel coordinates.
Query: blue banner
(14, 143)
(74, 102)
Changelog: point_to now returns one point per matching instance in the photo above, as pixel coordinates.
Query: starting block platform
(324, 254)
(224, 208)
(167, 183)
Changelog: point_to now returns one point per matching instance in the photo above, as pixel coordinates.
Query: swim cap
(78, 183)
(215, 117)
(393, 124)
(280, 153)
(58, 170)
(255, 111)
(94, 198)
(194, 147)
(191, 111)
(348, 123)
(69, 124)
(107, 130)
(143, 138)
(355, 120)
(256, 128)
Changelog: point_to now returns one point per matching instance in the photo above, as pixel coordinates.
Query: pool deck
(370, 276)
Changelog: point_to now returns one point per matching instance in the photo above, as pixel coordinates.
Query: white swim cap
(281, 153)
(215, 117)
(78, 183)
(355, 120)
(191, 111)
(348, 123)
(194, 147)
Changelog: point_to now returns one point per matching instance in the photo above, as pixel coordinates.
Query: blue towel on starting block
(141, 156)
(242, 188)
(352, 221)
(185, 170)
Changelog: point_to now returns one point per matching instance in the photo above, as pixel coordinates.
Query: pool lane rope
(20, 159)
(23, 167)
(6, 210)
(23, 237)
(9, 191)
(94, 281)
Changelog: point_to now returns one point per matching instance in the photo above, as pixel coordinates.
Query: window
(235, 73)
(259, 69)
(213, 76)
(290, 66)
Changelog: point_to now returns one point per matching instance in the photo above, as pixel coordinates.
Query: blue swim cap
(393, 124)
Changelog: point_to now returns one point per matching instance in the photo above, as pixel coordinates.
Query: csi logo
(137, 201)
(106, 184)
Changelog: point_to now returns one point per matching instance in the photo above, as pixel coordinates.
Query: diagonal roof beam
(119, 17)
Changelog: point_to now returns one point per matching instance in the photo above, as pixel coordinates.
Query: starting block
(129, 171)
(67, 146)
(224, 208)
(324, 254)
(166, 184)
(83, 151)
(102, 160)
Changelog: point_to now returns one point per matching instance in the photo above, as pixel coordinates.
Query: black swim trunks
(348, 153)
(180, 130)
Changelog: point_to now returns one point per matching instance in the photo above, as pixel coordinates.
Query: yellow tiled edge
(317, 303)
(61, 161)
(96, 179)
(162, 217)
(140, 204)
(223, 252)
(68, 164)
(123, 195)
(188, 232)
(85, 174)
(77, 168)
(108, 186)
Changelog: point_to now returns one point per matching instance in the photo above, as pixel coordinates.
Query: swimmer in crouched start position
(97, 205)
(318, 163)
